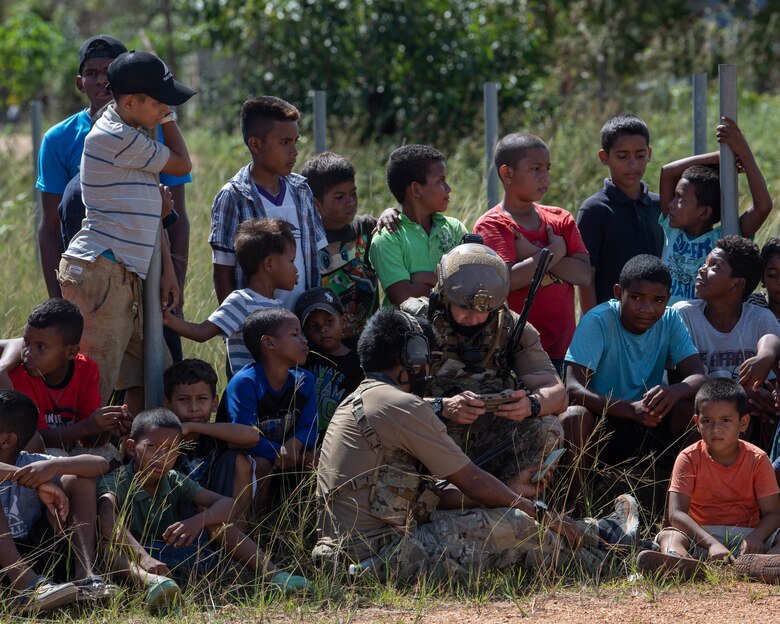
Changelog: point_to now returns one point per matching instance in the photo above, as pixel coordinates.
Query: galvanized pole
(729, 190)
(154, 343)
(36, 123)
(491, 138)
(320, 121)
(699, 82)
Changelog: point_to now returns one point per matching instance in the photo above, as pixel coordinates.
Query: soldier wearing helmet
(473, 357)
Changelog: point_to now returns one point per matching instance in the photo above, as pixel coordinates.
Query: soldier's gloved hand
(463, 408)
(519, 410)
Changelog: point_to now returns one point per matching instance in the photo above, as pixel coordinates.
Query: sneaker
(162, 593)
(620, 527)
(289, 583)
(765, 568)
(95, 589)
(652, 562)
(43, 596)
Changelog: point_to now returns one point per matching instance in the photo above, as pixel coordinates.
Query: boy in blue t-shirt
(615, 365)
(275, 396)
(690, 208)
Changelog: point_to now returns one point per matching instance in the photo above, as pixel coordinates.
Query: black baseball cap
(141, 72)
(100, 46)
(320, 298)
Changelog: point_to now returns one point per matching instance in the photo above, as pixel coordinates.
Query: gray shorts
(730, 537)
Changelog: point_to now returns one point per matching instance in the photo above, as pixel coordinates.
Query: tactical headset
(415, 352)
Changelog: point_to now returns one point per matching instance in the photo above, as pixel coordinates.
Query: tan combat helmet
(473, 276)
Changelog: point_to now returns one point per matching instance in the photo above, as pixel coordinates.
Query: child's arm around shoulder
(236, 435)
(753, 218)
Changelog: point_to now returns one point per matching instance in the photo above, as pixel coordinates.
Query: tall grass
(577, 173)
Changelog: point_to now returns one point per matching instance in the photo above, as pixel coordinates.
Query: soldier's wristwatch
(437, 405)
(536, 407)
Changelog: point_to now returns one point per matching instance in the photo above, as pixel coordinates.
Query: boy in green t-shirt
(405, 260)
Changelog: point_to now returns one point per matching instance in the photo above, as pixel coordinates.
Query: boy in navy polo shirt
(621, 220)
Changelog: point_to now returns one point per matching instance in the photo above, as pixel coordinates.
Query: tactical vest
(461, 363)
(398, 492)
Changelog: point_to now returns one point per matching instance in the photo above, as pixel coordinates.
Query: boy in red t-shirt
(723, 496)
(518, 228)
(63, 384)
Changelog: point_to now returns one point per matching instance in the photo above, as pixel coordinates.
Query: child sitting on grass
(690, 208)
(207, 455)
(519, 227)
(770, 254)
(63, 383)
(146, 517)
(336, 368)
(614, 372)
(725, 329)
(265, 249)
(723, 497)
(39, 495)
(276, 396)
(344, 262)
(405, 260)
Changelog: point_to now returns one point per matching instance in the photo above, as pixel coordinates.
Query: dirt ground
(724, 603)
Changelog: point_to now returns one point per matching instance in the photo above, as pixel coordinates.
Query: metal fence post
(320, 121)
(699, 82)
(36, 123)
(729, 190)
(154, 343)
(491, 138)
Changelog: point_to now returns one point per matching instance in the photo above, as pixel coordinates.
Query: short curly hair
(410, 163)
(745, 261)
(645, 268)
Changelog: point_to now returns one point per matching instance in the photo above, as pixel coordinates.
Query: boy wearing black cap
(102, 269)
(59, 160)
(335, 367)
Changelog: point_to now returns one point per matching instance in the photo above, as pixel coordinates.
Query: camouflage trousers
(533, 439)
(459, 545)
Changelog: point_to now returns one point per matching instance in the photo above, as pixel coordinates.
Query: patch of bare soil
(745, 603)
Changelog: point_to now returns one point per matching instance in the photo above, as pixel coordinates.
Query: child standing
(621, 220)
(690, 208)
(336, 367)
(207, 455)
(519, 227)
(266, 188)
(405, 260)
(102, 269)
(64, 385)
(344, 264)
(265, 249)
(275, 395)
(34, 489)
(723, 495)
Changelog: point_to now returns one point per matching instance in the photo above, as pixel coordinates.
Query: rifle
(517, 331)
(545, 257)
